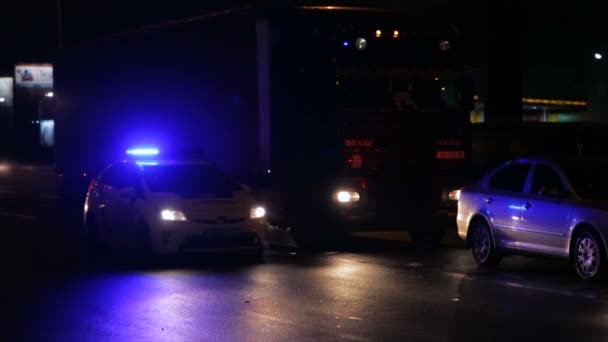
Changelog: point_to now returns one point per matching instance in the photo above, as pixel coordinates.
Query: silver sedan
(535, 206)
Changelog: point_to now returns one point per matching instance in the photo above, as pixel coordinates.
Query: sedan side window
(512, 178)
(546, 179)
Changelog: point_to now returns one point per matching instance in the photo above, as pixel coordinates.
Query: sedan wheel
(482, 248)
(587, 256)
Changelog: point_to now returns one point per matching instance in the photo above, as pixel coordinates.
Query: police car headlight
(172, 215)
(344, 196)
(257, 212)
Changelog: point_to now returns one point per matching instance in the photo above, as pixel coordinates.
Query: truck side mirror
(466, 93)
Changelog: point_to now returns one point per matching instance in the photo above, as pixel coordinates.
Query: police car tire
(94, 244)
(142, 239)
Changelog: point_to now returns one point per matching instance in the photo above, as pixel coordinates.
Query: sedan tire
(588, 257)
(482, 246)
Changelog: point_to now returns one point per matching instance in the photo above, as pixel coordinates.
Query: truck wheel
(432, 238)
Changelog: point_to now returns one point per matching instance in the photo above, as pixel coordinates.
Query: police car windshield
(188, 179)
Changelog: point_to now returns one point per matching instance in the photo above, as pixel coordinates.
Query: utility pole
(59, 25)
(505, 67)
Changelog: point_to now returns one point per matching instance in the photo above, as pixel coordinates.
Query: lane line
(27, 217)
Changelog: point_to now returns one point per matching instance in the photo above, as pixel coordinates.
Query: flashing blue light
(143, 151)
(146, 163)
(517, 207)
(345, 43)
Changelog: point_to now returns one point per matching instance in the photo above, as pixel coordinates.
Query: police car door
(120, 197)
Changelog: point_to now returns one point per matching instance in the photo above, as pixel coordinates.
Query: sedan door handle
(489, 200)
(527, 205)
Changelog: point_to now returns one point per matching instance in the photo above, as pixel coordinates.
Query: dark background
(553, 37)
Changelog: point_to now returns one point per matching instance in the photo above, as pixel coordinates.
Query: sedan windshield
(589, 179)
(188, 179)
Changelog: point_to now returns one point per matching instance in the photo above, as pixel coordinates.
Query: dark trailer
(343, 118)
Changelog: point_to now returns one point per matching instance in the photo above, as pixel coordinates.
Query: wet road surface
(361, 289)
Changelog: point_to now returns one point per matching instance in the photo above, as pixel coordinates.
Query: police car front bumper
(191, 237)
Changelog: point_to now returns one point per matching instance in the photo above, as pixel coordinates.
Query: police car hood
(206, 208)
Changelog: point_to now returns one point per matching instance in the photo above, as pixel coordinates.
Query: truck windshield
(588, 179)
(188, 179)
(398, 90)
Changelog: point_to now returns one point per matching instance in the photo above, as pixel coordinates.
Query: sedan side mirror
(549, 191)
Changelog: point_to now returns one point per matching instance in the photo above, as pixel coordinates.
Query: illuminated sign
(34, 75)
(451, 142)
(449, 155)
(358, 143)
(554, 102)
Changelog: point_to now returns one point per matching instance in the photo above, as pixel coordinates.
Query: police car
(164, 206)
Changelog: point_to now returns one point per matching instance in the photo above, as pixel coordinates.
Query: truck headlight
(344, 196)
(257, 212)
(172, 215)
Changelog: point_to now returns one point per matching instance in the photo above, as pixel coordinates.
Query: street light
(598, 56)
(48, 95)
(2, 99)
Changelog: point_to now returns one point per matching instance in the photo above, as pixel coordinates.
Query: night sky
(554, 37)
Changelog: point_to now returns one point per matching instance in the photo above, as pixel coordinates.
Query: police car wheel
(94, 244)
(142, 239)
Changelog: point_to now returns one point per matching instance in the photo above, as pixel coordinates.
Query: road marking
(27, 217)
(286, 321)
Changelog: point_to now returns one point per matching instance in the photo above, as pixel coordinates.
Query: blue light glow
(517, 207)
(146, 163)
(143, 151)
(345, 43)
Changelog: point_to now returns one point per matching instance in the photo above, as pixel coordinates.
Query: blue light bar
(143, 151)
(145, 163)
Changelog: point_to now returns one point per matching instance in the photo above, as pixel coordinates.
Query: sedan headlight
(454, 195)
(172, 215)
(344, 196)
(257, 212)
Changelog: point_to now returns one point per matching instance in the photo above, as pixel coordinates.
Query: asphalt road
(366, 288)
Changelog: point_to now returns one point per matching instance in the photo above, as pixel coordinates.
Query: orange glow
(395, 34)
(554, 102)
(378, 33)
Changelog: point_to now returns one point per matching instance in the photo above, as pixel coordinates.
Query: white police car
(172, 206)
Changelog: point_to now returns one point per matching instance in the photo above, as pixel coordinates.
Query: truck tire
(427, 238)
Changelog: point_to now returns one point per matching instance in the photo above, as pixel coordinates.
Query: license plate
(222, 234)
